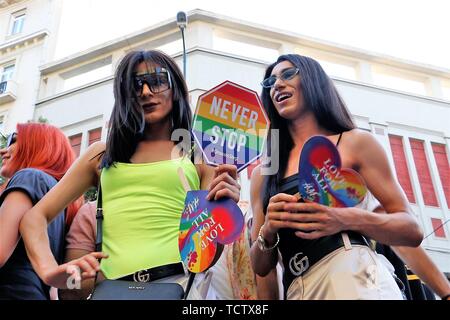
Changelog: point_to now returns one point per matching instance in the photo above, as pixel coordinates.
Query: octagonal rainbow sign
(230, 125)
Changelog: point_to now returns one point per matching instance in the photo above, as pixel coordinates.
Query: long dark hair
(127, 122)
(320, 96)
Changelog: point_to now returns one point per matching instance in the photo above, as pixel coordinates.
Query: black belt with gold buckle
(301, 262)
(155, 273)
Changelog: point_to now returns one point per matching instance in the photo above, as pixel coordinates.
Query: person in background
(35, 158)
(418, 261)
(80, 241)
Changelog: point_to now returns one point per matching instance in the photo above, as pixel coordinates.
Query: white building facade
(405, 105)
(26, 42)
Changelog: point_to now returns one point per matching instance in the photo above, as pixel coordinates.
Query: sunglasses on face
(157, 82)
(285, 75)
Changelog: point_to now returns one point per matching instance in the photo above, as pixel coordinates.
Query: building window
(335, 69)
(7, 73)
(438, 228)
(236, 44)
(88, 73)
(446, 89)
(75, 142)
(444, 169)
(397, 80)
(423, 172)
(446, 92)
(401, 167)
(95, 135)
(334, 65)
(2, 124)
(17, 21)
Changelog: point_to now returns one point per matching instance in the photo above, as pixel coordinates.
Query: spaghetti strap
(339, 139)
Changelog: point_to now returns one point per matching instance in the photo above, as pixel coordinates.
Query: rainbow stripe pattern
(230, 125)
(205, 226)
(321, 178)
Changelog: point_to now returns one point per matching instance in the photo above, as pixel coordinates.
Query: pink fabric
(82, 232)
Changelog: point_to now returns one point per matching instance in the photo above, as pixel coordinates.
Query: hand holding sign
(321, 178)
(204, 227)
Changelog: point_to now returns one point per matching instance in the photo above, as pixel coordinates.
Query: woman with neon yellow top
(143, 197)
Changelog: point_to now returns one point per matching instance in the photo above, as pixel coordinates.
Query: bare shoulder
(89, 161)
(94, 153)
(364, 148)
(359, 141)
(358, 138)
(96, 149)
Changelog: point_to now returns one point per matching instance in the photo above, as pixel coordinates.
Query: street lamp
(182, 23)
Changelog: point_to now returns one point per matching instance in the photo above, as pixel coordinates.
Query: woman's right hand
(70, 274)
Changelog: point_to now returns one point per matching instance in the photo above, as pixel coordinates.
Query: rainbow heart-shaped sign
(321, 179)
(205, 227)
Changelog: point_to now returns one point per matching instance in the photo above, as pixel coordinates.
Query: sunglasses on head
(10, 139)
(285, 75)
(157, 82)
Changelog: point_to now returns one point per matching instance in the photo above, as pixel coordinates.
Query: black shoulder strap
(339, 139)
(189, 285)
(99, 217)
(99, 236)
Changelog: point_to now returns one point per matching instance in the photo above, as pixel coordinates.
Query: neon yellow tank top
(142, 206)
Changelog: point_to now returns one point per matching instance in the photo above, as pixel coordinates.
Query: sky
(415, 30)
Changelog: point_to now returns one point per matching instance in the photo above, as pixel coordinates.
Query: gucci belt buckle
(299, 264)
(142, 276)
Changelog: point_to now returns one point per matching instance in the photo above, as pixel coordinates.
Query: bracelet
(445, 297)
(262, 241)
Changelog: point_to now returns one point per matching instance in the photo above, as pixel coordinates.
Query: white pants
(355, 274)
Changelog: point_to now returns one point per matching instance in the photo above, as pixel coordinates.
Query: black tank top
(290, 244)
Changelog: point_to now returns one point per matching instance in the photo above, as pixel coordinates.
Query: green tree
(91, 194)
(43, 120)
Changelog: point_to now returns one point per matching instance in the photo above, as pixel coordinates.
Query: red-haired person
(35, 158)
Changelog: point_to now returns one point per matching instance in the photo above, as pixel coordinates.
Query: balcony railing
(8, 91)
(3, 86)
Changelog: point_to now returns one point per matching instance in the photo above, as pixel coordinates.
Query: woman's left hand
(313, 220)
(224, 183)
